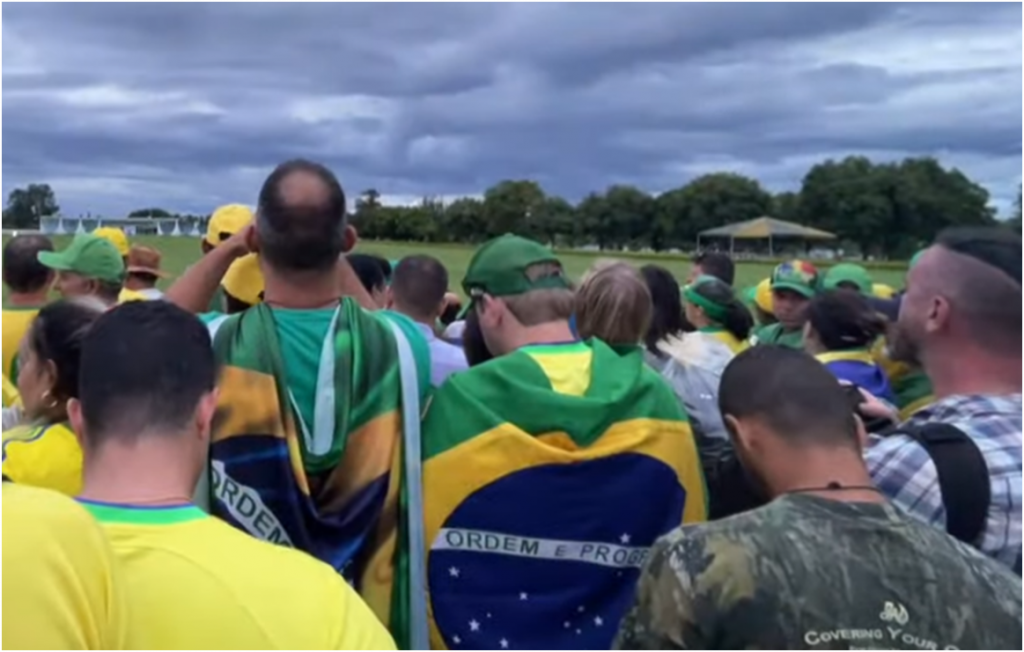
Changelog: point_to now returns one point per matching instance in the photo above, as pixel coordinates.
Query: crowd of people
(302, 447)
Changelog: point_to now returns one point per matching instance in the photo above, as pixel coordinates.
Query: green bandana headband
(713, 310)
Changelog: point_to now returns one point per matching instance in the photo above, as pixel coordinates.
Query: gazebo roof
(766, 227)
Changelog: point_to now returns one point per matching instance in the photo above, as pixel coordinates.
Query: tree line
(883, 210)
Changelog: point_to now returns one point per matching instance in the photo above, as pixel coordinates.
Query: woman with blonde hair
(614, 305)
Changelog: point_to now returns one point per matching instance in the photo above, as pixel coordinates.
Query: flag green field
(179, 253)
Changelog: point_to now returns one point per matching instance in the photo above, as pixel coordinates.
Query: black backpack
(964, 480)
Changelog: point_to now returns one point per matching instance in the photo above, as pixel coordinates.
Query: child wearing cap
(793, 285)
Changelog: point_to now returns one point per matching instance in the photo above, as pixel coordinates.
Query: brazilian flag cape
(337, 498)
(548, 474)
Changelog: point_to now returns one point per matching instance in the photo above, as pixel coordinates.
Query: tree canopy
(885, 210)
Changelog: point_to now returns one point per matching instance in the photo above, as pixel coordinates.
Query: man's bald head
(967, 289)
(301, 218)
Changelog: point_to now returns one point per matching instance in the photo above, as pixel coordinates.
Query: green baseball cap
(499, 268)
(796, 276)
(848, 274)
(89, 256)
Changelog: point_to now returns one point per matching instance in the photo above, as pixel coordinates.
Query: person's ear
(938, 315)
(77, 421)
(741, 432)
(389, 299)
(863, 439)
(252, 238)
(204, 414)
(350, 239)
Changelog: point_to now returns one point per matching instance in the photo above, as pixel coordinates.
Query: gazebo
(765, 228)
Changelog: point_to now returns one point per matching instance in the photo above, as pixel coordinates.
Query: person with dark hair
(90, 266)
(841, 329)
(28, 286)
(794, 284)
(829, 546)
(418, 291)
(960, 321)
(714, 264)
(667, 320)
(148, 398)
(713, 308)
(63, 589)
(313, 386)
(43, 452)
(371, 274)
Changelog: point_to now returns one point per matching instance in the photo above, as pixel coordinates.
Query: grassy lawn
(179, 253)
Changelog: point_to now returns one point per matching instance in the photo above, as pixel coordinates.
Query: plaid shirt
(904, 471)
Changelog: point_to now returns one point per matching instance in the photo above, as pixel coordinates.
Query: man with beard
(830, 564)
(961, 321)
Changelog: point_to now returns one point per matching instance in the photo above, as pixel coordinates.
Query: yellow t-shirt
(196, 583)
(48, 457)
(127, 296)
(16, 324)
(62, 590)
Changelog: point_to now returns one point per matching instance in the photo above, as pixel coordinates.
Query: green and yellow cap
(499, 268)
(796, 276)
(89, 256)
(848, 274)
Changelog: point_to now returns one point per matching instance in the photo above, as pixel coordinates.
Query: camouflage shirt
(808, 573)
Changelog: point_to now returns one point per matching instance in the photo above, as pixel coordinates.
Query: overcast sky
(188, 106)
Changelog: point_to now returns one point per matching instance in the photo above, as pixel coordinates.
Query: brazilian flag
(548, 474)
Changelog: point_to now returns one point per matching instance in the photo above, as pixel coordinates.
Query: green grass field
(179, 253)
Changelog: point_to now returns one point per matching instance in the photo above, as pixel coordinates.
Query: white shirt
(445, 359)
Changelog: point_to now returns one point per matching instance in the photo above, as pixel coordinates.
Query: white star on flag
(524, 596)
(457, 640)
(625, 539)
(581, 609)
(568, 624)
(454, 572)
(504, 644)
(474, 626)
(599, 621)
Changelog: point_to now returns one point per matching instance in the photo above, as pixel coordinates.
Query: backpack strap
(964, 479)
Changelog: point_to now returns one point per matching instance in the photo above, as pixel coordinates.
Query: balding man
(961, 320)
(311, 399)
(418, 289)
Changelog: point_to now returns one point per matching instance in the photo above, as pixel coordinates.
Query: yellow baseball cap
(116, 237)
(761, 296)
(226, 221)
(244, 280)
(883, 291)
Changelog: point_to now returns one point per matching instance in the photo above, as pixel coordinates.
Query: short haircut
(419, 285)
(845, 321)
(543, 306)
(57, 335)
(109, 291)
(301, 218)
(985, 285)
(718, 265)
(613, 304)
(145, 367)
(791, 393)
(668, 306)
(369, 271)
(23, 273)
